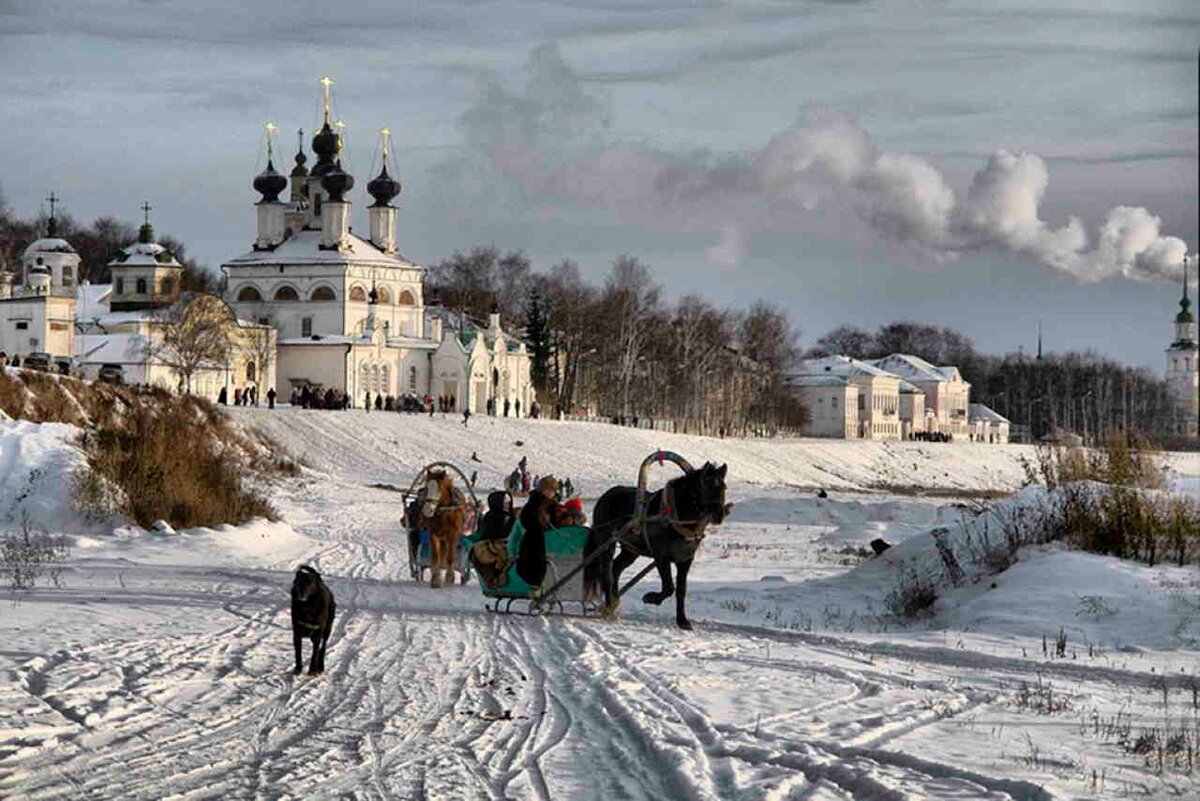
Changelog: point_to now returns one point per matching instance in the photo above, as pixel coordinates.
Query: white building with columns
(350, 311)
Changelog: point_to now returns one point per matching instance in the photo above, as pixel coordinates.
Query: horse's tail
(597, 576)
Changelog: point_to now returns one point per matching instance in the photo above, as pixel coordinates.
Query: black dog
(312, 616)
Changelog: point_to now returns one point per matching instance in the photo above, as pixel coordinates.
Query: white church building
(350, 311)
(37, 300)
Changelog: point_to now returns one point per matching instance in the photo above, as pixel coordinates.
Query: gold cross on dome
(385, 136)
(326, 82)
(270, 128)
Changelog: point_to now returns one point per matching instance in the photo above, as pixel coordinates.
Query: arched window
(286, 293)
(406, 299)
(68, 276)
(385, 380)
(375, 377)
(385, 294)
(365, 380)
(323, 293)
(250, 372)
(120, 286)
(357, 293)
(412, 379)
(249, 294)
(141, 286)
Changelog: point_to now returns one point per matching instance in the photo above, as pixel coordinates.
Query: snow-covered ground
(161, 667)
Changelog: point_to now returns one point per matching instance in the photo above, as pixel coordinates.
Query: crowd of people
(932, 436)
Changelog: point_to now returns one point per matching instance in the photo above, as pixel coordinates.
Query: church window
(168, 286)
(120, 286)
(286, 293)
(386, 380)
(248, 294)
(412, 379)
(323, 293)
(385, 295)
(306, 326)
(68, 276)
(833, 402)
(141, 286)
(406, 299)
(250, 372)
(358, 294)
(22, 325)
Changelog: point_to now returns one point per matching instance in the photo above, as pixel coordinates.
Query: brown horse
(444, 514)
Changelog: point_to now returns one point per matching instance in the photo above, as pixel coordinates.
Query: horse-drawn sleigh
(583, 566)
(583, 569)
(437, 516)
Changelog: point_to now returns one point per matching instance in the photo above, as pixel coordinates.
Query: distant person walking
(271, 398)
(223, 397)
(507, 406)
(517, 408)
(466, 417)
(367, 402)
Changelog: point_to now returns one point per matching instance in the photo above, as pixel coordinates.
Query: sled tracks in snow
(429, 705)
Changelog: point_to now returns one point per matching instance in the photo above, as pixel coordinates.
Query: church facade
(350, 312)
(37, 301)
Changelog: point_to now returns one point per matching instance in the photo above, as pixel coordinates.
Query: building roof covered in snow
(914, 368)
(844, 366)
(977, 411)
(304, 247)
(145, 252)
(821, 380)
(51, 244)
(110, 348)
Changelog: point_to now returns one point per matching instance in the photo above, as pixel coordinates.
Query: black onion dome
(269, 183)
(299, 171)
(337, 182)
(383, 188)
(325, 145)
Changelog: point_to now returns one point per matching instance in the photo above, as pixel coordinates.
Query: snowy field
(161, 667)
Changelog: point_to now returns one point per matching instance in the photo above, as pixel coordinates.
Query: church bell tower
(1183, 363)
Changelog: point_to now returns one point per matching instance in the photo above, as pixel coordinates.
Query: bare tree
(191, 335)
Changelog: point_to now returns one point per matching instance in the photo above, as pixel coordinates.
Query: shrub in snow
(27, 555)
(913, 596)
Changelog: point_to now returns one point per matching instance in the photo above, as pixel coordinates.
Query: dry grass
(1108, 501)
(1123, 461)
(152, 455)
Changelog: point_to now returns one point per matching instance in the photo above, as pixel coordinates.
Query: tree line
(1081, 392)
(97, 243)
(620, 350)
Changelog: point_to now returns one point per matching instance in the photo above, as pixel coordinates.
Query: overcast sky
(982, 165)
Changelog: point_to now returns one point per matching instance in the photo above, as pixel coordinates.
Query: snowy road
(421, 704)
(428, 696)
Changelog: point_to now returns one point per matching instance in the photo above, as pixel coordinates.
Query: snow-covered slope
(392, 447)
(162, 667)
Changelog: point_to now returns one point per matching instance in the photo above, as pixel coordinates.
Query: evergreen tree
(537, 335)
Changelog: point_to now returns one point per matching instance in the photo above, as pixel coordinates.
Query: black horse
(676, 519)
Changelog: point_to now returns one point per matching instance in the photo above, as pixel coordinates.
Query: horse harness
(692, 531)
